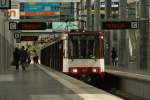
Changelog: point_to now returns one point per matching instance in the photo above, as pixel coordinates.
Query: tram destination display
(112, 25)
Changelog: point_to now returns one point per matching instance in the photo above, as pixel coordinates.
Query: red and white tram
(76, 53)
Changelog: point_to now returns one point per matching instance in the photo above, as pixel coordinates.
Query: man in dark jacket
(23, 57)
(16, 57)
(114, 57)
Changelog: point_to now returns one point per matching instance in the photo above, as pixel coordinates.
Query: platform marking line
(79, 91)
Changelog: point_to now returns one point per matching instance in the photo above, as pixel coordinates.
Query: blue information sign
(40, 7)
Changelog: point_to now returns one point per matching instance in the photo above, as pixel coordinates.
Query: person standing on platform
(114, 56)
(16, 57)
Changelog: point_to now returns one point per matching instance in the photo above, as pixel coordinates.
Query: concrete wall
(6, 43)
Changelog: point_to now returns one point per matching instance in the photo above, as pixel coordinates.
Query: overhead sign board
(50, 0)
(5, 4)
(112, 25)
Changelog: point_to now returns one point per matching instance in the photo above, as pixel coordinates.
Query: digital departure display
(32, 26)
(29, 38)
(119, 25)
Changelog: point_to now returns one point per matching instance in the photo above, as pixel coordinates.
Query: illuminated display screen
(29, 38)
(32, 26)
(39, 8)
(119, 25)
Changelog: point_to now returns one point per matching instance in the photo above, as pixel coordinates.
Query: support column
(97, 15)
(137, 37)
(144, 35)
(108, 9)
(5, 42)
(2, 45)
(123, 37)
(77, 13)
(1, 51)
(81, 20)
(89, 15)
(107, 33)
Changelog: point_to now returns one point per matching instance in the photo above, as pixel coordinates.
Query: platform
(135, 82)
(139, 74)
(41, 83)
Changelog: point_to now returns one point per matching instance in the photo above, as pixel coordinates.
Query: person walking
(35, 57)
(28, 57)
(23, 58)
(114, 56)
(16, 57)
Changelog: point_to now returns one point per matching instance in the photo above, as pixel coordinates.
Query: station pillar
(123, 45)
(81, 18)
(97, 21)
(6, 42)
(108, 34)
(89, 15)
(144, 34)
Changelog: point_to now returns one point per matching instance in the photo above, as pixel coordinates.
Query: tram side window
(91, 49)
(82, 49)
(75, 47)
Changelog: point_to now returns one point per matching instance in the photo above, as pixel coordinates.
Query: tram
(76, 53)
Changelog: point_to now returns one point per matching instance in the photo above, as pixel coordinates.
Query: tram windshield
(83, 47)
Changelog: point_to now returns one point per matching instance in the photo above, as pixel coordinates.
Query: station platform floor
(41, 83)
(134, 73)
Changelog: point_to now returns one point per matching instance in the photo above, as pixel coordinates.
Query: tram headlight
(102, 37)
(74, 70)
(94, 70)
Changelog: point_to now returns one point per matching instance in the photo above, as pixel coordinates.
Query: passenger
(23, 58)
(28, 57)
(35, 57)
(16, 57)
(114, 57)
